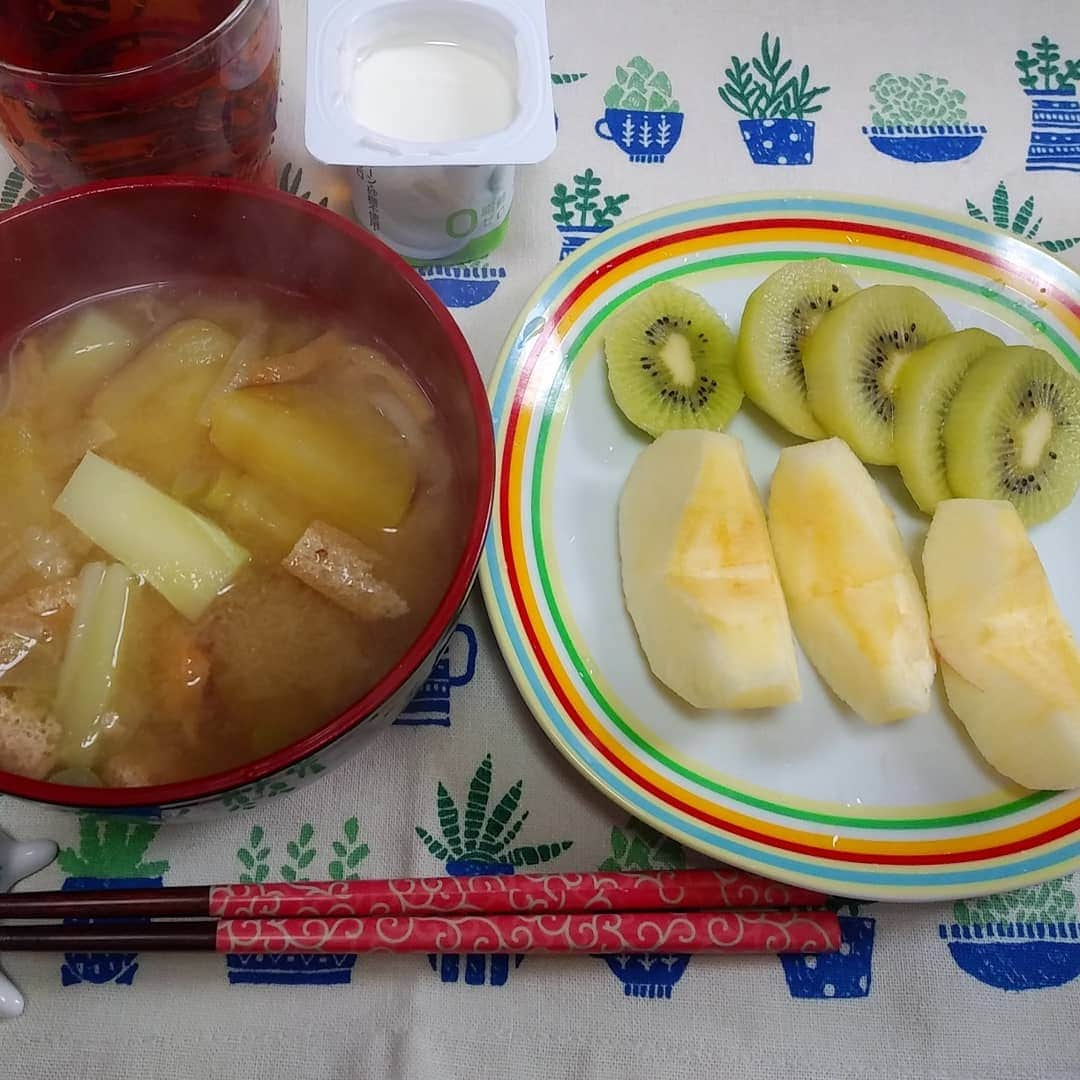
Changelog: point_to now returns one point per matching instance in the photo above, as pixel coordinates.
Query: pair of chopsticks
(688, 911)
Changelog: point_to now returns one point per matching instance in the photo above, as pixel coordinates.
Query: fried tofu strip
(343, 570)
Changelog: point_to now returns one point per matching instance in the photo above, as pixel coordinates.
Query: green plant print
(484, 834)
(1020, 223)
(290, 181)
(112, 848)
(254, 858)
(15, 191)
(639, 85)
(349, 853)
(1050, 902)
(301, 854)
(913, 100)
(565, 78)
(245, 798)
(580, 205)
(760, 88)
(637, 846)
(1041, 70)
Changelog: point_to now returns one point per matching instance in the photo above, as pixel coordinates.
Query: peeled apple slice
(1010, 662)
(699, 576)
(854, 600)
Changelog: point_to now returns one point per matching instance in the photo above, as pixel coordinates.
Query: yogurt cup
(432, 103)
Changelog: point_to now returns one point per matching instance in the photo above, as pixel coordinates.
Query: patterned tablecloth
(904, 998)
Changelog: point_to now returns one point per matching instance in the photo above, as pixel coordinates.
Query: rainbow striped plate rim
(957, 852)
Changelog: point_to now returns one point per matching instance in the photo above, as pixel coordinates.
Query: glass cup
(95, 89)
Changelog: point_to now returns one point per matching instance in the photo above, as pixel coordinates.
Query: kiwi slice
(671, 362)
(779, 315)
(853, 358)
(1013, 432)
(925, 388)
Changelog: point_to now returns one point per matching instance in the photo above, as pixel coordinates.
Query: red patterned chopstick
(600, 933)
(535, 894)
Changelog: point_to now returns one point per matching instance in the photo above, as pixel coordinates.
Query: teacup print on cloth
(641, 115)
(455, 668)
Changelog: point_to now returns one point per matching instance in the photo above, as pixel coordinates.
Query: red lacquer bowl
(118, 234)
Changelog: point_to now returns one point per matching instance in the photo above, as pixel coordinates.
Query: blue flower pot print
(779, 141)
(644, 136)
(573, 236)
(474, 969)
(843, 974)
(430, 706)
(650, 976)
(102, 968)
(271, 969)
(923, 143)
(1055, 130)
(1016, 956)
(463, 286)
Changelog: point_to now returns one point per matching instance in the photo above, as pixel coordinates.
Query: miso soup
(223, 518)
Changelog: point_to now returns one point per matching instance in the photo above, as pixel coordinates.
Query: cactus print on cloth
(480, 839)
(110, 855)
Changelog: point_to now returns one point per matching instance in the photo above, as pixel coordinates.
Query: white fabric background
(731, 1020)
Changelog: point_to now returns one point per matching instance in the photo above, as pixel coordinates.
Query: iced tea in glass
(93, 89)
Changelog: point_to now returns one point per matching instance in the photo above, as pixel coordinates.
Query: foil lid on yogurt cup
(428, 82)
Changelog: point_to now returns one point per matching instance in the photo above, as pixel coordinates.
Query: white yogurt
(433, 102)
(432, 91)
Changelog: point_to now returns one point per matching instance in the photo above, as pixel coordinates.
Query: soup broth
(223, 519)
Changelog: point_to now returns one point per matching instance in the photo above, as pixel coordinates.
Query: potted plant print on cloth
(1022, 940)
(579, 215)
(463, 286)
(774, 106)
(480, 842)
(272, 969)
(843, 974)
(640, 116)
(640, 847)
(1051, 82)
(920, 118)
(16, 190)
(1021, 224)
(109, 856)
